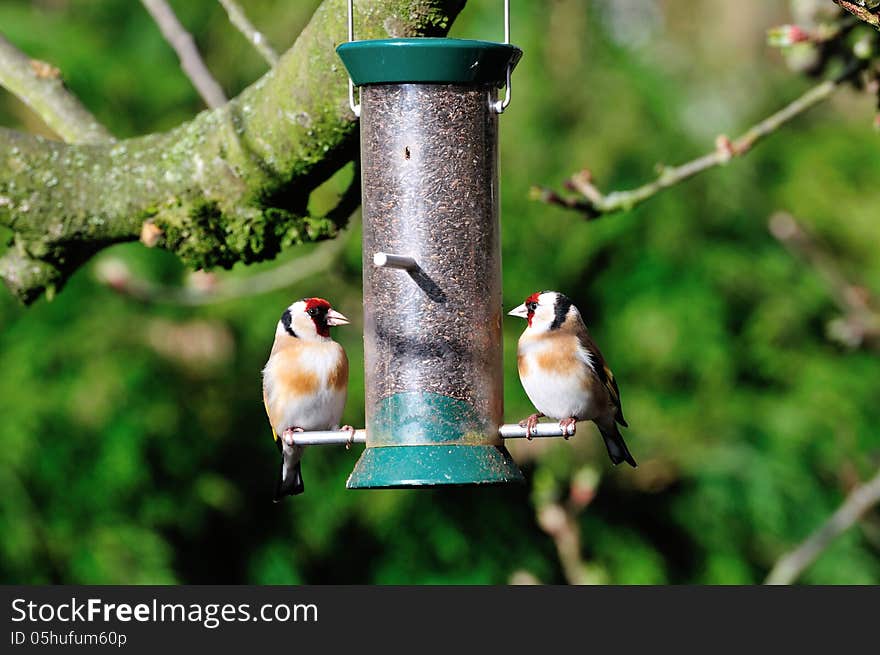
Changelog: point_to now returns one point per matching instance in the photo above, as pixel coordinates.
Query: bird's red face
(531, 304)
(316, 304)
(528, 308)
(323, 315)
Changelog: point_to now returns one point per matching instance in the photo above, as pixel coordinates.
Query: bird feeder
(431, 245)
(428, 113)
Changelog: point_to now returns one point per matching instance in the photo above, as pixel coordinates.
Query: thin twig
(209, 289)
(238, 18)
(861, 11)
(184, 45)
(860, 323)
(594, 203)
(39, 85)
(562, 525)
(860, 500)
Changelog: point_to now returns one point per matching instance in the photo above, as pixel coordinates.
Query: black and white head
(546, 310)
(309, 318)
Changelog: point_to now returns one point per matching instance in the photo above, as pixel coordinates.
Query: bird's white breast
(557, 394)
(300, 389)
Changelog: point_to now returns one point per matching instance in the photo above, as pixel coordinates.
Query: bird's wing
(269, 414)
(592, 356)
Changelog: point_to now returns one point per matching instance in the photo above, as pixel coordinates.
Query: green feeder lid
(450, 61)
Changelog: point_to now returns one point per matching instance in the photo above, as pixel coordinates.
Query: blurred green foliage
(133, 443)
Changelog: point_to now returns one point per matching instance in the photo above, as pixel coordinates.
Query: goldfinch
(564, 374)
(305, 383)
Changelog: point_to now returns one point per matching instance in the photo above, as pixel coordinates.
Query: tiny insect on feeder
(431, 244)
(428, 113)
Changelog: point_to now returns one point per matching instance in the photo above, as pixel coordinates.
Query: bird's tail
(617, 450)
(290, 482)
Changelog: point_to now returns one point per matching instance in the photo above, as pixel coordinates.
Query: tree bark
(231, 185)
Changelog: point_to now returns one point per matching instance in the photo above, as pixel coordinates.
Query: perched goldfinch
(563, 371)
(305, 383)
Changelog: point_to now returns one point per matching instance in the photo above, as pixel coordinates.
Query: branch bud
(724, 147)
(150, 234)
(784, 36)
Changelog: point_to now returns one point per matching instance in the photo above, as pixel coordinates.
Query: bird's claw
(529, 424)
(350, 429)
(287, 435)
(568, 427)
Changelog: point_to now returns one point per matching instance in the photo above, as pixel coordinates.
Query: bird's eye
(313, 311)
(532, 306)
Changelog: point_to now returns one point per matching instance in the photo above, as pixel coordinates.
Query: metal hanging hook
(355, 107)
(500, 105)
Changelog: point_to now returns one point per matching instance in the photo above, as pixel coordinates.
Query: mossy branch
(232, 185)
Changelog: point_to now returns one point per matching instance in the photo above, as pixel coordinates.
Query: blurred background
(134, 446)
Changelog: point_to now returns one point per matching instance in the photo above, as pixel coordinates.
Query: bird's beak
(520, 311)
(335, 318)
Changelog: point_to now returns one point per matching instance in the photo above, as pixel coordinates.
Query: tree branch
(863, 10)
(232, 185)
(593, 203)
(562, 525)
(560, 521)
(238, 18)
(39, 85)
(185, 46)
(860, 500)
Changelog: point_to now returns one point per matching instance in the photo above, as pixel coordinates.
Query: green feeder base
(418, 466)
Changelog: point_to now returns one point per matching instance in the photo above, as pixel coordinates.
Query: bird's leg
(287, 435)
(351, 431)
(530, 423)
(565, 424)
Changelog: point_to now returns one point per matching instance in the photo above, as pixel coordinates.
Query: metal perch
(506, 431)
(387, 260)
